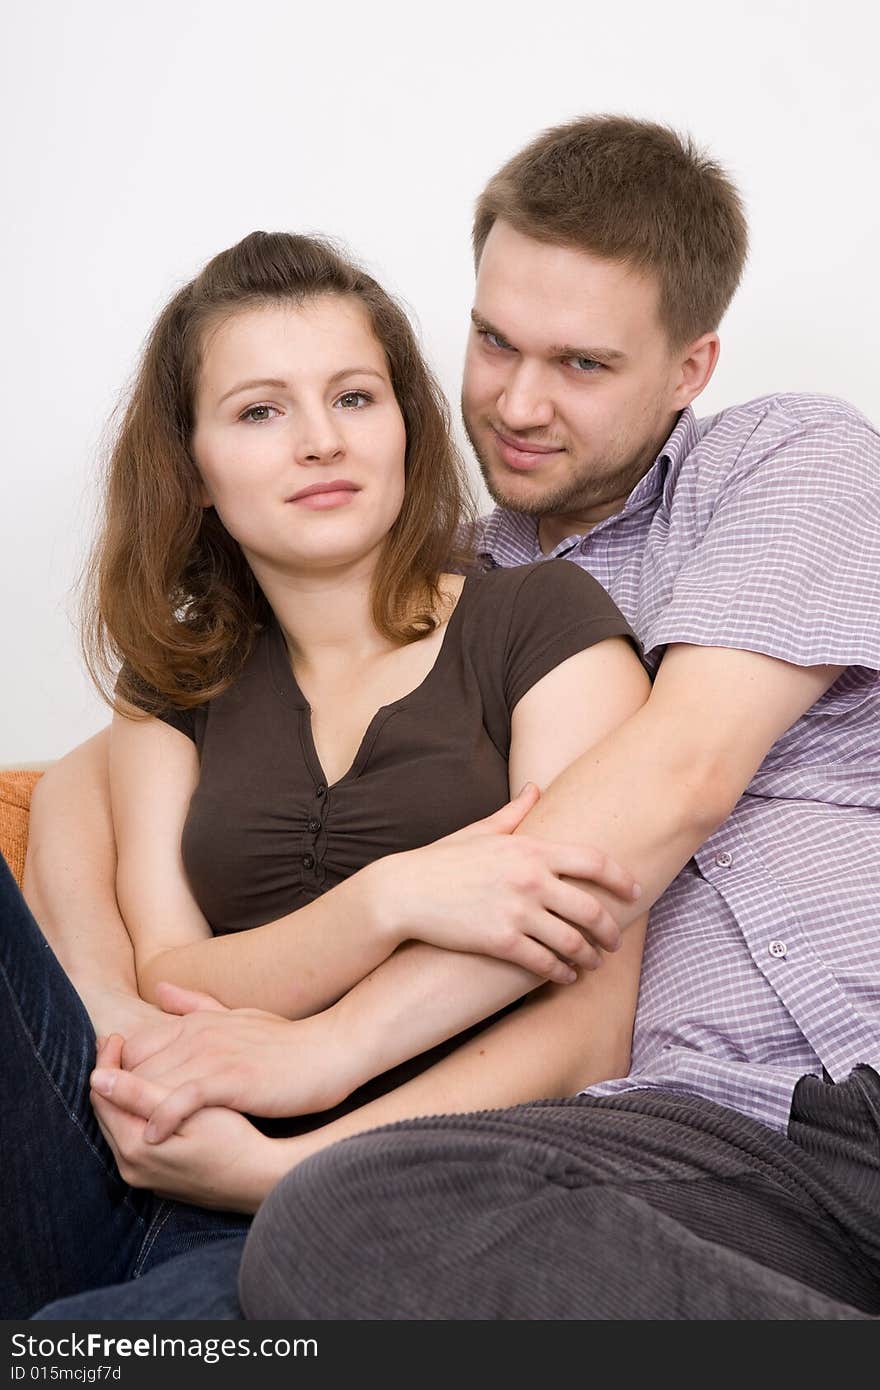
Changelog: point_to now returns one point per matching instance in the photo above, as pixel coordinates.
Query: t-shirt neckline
(287, 688)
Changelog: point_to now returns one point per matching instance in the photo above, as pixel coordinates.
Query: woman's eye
(256, 414)
(353, 400)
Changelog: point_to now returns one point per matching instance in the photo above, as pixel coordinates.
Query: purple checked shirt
(759, 529)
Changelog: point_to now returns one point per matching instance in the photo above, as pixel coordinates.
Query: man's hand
(244, 1059)
(217, 1160)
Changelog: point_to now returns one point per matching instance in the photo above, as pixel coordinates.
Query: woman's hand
(485, 890)
(244, 1059)
(218, 1159)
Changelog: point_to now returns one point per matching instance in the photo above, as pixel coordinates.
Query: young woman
(315, 693)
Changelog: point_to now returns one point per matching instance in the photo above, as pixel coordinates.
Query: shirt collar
(507, 537)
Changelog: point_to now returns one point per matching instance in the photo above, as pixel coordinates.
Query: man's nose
(524, 403)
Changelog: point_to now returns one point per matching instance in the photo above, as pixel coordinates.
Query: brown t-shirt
(265, 834)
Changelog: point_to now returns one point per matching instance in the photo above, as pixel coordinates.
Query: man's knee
(308, 1237)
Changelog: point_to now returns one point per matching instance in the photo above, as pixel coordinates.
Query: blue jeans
(69, 1221)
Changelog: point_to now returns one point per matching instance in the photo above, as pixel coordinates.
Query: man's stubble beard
(580, 493)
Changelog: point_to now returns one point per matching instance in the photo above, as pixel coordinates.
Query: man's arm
(648, 794)
(562, 1038)
(69, 885)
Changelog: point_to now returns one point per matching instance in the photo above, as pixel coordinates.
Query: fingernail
(99, 1043)
(103, 1082)
(570, 977)
(151, 1133)
(526, 786)
(637, 890)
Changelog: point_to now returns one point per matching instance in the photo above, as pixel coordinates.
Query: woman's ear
(205, 498)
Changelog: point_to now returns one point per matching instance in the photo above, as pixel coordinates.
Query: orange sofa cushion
(15, 802)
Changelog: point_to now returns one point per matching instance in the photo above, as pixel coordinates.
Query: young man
(734, 1172)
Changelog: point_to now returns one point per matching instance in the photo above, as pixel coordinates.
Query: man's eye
(256, 414)
(587, 365)
(354, 400)
(494, 340)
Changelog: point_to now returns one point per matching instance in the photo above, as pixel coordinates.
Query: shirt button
(724, 860)
(314, 825)
(308, 861)
(320, 790)
(778, 949)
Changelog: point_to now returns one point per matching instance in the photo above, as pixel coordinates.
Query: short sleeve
(147, 699)
(558, 611)
(183, 720)
(788, 561)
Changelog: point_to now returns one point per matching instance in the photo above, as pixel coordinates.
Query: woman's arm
(562, 1039)
(69, 886)
(473, 890)
(414, 1001)
(294, 965)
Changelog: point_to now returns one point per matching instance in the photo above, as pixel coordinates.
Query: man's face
(570, 385)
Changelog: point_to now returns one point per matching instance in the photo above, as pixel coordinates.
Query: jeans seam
(71, 1114)
(150, 1237)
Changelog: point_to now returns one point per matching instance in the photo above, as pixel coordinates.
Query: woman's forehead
(316, 337)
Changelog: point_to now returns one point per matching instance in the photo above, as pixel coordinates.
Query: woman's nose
(318, 439)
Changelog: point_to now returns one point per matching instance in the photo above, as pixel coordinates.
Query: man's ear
(696, 363)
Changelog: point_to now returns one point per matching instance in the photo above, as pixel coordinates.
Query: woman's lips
(519, 456)
(322, 501)
(321, 496)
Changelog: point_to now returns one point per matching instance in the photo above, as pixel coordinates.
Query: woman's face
(299, 439)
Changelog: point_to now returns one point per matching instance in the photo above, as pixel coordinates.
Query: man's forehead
(560, 296)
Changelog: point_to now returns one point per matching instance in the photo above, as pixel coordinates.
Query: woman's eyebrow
(280, 385)
(274, 381)
(356, 371)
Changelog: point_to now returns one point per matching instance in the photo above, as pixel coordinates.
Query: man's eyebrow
(485, 326)
(279, 384)
(595, 354)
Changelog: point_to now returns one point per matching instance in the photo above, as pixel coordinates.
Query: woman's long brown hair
(168, 596)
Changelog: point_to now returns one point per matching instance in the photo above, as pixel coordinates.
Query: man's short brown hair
(635, 192)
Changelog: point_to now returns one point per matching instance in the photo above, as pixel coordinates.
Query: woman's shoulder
(540, 583)
(525, 620)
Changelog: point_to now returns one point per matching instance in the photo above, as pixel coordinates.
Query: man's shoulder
(781, 414)
(793, 433)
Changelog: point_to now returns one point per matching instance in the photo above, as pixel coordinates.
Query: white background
(140, 139)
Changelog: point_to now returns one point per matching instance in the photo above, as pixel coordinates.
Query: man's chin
(523, 493)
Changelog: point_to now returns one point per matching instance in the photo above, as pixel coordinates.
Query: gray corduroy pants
(642, 1206)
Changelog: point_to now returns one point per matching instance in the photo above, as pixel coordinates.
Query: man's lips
(521, 454)
(321, 495)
